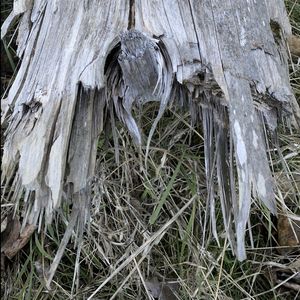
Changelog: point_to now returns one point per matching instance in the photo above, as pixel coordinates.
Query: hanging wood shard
(140, 65)
(222, 55)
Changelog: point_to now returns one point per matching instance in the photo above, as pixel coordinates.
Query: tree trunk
(84, 62)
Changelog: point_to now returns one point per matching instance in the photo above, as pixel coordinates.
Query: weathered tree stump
(83, 61)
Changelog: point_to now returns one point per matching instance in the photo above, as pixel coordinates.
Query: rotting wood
(223, 55)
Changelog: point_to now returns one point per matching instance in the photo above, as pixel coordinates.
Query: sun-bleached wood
(87, 61)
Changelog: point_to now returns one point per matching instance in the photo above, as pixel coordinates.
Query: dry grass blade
(145, 247)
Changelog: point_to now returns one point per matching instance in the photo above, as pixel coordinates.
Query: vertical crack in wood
(194, 25)
(131, 18)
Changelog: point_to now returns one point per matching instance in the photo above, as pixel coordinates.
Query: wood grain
(221, 54)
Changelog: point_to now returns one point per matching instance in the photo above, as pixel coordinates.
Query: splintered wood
(81, 65)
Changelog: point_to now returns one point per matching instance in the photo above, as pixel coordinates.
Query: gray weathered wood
(222, 54)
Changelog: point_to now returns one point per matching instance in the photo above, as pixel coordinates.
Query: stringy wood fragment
(81, 65)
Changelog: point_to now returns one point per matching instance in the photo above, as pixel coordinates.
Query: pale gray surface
(221, 53)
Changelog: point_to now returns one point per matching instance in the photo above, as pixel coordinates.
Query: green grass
(144, 224)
